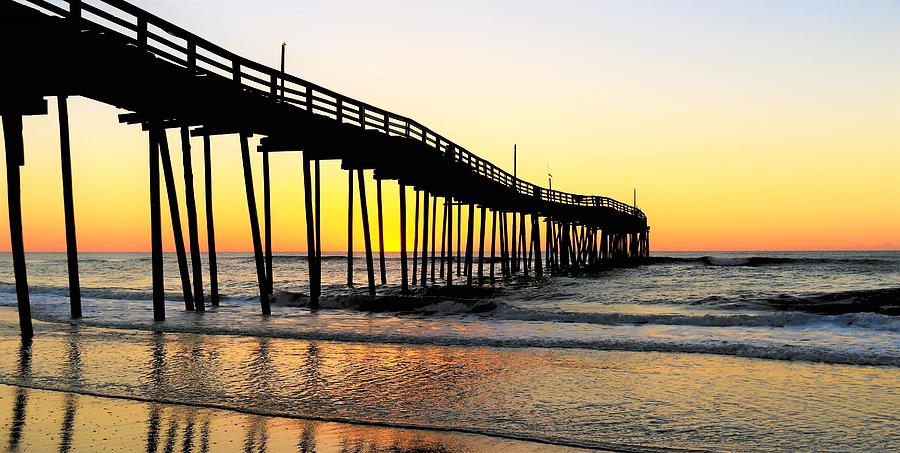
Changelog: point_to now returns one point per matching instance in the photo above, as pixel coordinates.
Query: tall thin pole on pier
(311, 252)
(15, 158)
(350, 227)
(261, 278)
(191, 204)
(169, 177)
(156, 253)
(380, 232)
(210, 225)
(367, 239)
(69, 208)
(404, 285)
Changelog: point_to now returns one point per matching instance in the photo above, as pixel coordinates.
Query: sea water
(746, 351)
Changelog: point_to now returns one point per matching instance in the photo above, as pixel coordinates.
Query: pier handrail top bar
(282, 87)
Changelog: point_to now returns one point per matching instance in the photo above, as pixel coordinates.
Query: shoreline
(82, 410)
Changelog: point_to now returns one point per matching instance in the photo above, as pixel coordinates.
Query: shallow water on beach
(724, 352)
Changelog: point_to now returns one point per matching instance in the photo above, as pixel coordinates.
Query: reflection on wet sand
(127, 425)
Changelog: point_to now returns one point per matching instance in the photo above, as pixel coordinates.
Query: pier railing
(180, 47)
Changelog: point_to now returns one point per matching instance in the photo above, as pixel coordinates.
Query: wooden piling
(470, 228)
(267, 222)
(514, 263)
(169, 177)
(481, 247)
(350, 227)
(424, 237)
(450, 243)
(433, 234)
(15, 158)
(380, 232)
(311, 253)
(191, 205)
(318, 215)
(443, 236)
(524, 258)
(536, 240)
(69, 209)
(458, 238)
(210, 225)
(367, 239)
(404, 285)
(261, 278)
(415, 240)
(493, 241)
(156, 253)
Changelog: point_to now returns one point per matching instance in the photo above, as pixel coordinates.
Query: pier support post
(367, 239)
(261, 278)
(191, 203)
(350, 228)
(481, 247)
(470, 229)
(443, 236)
(210, 225)
(536, 240)
(380, 232)
(522, 245)
(458, 238)
(450, 243)
(156, 253)
(433, 234)
(404, 281)
(267, 222)
(415, 240)
(424, 237)
(15, 158)
(69, 208)
(318, 208)
(493, 242)
(514, 262)
(311, 252)
(175, 215)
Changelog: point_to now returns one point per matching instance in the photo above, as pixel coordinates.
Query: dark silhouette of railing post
(380, 232)
(175, 216)
(404, 285)
(69, 208)
(210, 224)
(156, 253)
(15, 158)
(191, 205)
(261, 278)
(367, 239)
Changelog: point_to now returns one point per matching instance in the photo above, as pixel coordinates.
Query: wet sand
(44, 420)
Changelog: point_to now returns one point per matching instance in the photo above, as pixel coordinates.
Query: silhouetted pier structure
(116, 53)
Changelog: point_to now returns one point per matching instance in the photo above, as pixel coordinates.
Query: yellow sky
(743, 127)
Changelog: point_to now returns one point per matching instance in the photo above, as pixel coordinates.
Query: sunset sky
(744, 125)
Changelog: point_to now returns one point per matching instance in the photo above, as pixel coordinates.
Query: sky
(742, 125)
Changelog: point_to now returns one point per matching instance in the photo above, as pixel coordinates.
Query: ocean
(747, 351)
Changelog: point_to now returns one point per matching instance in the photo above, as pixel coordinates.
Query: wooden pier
(116, 53)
